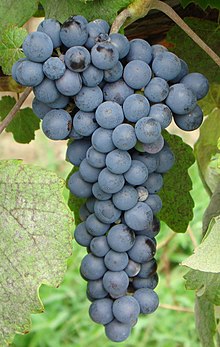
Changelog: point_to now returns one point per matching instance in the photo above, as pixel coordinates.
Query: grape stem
(139, 9)
(176, 308)
(15, 109)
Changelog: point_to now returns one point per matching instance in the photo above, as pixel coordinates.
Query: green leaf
(35, 243)
(202, 3)
(62, 9)
(205, 321)
(206, 146)
(25, 123)
(16, 12)
(206, 257)
(74, 202)
(10, 42)
(188, 50)
(213, 210)
(178, 205)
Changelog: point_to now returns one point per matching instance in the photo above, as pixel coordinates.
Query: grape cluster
(112, 98)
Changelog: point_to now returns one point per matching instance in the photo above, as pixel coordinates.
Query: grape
(162, 114)
(96, 290)
(132, 268)
(76, 151)
(190, 121)
(83, 213)
(147, 130)
(154, 183)
(157, 49)
(88, 98)
(102, 140)
(117, 91)
(95, 227)
(77, 58)
(137, 174)
(136, 106)
(78, 186)
(147, 299)
(99, 194)
(116, 261)
(102, 23)
(126, 198)
(109, 114)
(94, 30)
(100, 311)
(109, 182)
(126, 310)
(70, 83)
(92, 76)
(124, 137)
(95, 158)
(74, 32)
(117, 331)
(90, 202)
(54, 68)
(142, 193)
(115, 73)
(181, 99)
(155, 203)
(39, 108)
(197, 83)
(120, 238)
(106, 212)
(150, 160)
(118, 161)
(154, 147)
(156, 90)
(92, 267)
(99, 246)
(166, 159)
(137, 74)
(139, 217)
(121, 43)
(166, 65)
(85, 123)
(143, 249)
(14, 68)
(150, 282)
(141, 50)
(148, 269)
(51, 27)
(37, 47)
(46, 91)
(29, 73)
(115, 283)
(151, 232)
(82, 236)
(183, 72)
(61, 102)
(57, 124)
(104, 55)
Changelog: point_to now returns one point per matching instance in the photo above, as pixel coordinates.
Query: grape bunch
(112, 98)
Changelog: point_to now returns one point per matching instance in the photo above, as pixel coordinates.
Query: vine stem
(15, 109)
(140, 9)
(176, 308)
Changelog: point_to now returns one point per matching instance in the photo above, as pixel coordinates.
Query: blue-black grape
(124, 137)
(197, 83)
(116, 261)
(95, 158)
(51, 27)
(77, 58)
(37, 47)
(148, 269)
(139, 217)
(155, 203)
(150, 160)
(120, 238)
(149, 282)
(99, 193)
(82, 236)
(102, 140)
(121, 43)
(96, 290)
(166, 159)
(40, 108)
(115, 283)
(89, 173)
(61, 102)
(115, 73)
(95, 227)
(78, 186)
(100, 311)
(99, 246)
(74, 31)
(143, 249)
(110, 182)
(104, 55)
(147, 130)
(181, 99)
(117, 91)
(136, 106)
(162, 114)
(126, 198)
(57, 124)
(117, 331)
(29, 73)
(84, 123)
(83, 213)
(109, 114)
(76, 151)
(183, 72)
(147, 299)
(94, 30)
(126, 310)
(157, 49)
(141, 50)
(156, 90)
(92, 76)
(106, 212)
(92, 267)
(54, 68)
(46, 91)
(166, 65)
(137, 173)
(118, 161)
(190, 121)
(132, 268)
(70, 83)
(90, 202)
(88, 98)
(137, 74)
(154, 183)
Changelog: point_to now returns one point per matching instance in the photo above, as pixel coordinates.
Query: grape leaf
(205, 321)
(188, 50)
(178, 204)
(35, 244)
(74, 202)
(206, 146)
(202, 3)
(213, 210)
(10, 47)
(24, 124)
(62, 9)
(16, 12)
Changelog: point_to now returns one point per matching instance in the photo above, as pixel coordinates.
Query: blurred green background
(65, 322)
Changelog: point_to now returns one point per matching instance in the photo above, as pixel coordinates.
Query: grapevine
(113, 99)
